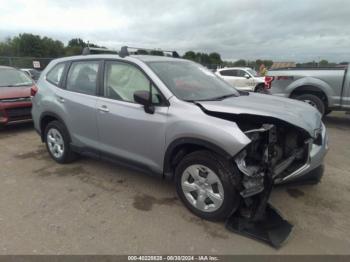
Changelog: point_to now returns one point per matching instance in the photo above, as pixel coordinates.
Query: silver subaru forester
(176, 119)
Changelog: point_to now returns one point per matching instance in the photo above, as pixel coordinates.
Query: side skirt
(120, 161)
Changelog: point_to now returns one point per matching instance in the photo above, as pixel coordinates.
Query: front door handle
(103, 108)
(60, 99)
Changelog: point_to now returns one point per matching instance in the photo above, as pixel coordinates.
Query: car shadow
(16, 129)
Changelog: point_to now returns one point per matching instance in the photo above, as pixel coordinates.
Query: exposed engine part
(240, 161)
(271, 152)
(254, 172)
(253, 181)
(281, 148)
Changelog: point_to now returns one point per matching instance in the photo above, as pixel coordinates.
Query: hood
(297, 113)
(14, 92)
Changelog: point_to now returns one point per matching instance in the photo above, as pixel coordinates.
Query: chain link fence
(25, 62)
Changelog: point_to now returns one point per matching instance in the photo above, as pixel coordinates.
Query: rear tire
(213, 194)
(57, 142)
(314, 101)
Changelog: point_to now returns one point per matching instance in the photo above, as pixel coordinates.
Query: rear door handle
(103, 108)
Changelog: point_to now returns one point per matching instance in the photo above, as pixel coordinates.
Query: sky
(281, 30)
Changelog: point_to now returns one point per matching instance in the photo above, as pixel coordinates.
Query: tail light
(33, 90)
(268, 81)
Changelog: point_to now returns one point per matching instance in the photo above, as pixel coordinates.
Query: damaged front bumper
(314, 152)
(255, 217)
(317, 152)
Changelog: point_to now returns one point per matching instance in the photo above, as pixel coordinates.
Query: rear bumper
(315, 160)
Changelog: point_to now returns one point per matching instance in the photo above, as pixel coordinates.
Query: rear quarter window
(55, 74)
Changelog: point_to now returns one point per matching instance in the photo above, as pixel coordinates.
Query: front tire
(58, 143)
(206, 184)
(260, 89)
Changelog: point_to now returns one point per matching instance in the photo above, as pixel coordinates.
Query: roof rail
(125, 52)
(97, 50)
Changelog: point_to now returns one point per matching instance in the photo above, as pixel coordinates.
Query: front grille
(24, 112)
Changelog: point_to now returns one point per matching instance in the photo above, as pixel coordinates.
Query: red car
(16, 89)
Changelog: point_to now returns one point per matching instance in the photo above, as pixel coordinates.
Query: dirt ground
(95, 207)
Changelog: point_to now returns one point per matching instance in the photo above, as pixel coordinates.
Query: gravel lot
(95, 207)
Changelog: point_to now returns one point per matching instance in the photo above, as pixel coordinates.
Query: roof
(144, 58)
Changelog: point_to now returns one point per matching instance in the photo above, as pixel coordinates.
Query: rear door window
(241, 73)
(82, 77)
(228, 72)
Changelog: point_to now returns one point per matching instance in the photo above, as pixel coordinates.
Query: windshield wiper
(218, 98)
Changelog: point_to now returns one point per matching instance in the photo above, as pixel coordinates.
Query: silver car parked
(174, 118)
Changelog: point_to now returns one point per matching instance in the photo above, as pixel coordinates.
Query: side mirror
(144, 98)
(247, 76)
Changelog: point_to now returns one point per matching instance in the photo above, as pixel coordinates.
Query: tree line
(214, 59)
(30, 45)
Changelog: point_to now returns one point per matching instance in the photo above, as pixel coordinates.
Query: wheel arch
(45, 119)
(312, 90)
(183, 146)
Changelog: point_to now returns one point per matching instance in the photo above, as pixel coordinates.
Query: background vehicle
(15, 95)
(33, 73)
(242, 78)
(326, 89)
(174, 118)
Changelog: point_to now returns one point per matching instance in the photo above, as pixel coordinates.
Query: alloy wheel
(55, 142)
(202, 188)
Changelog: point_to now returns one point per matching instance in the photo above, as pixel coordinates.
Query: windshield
(253, 72)
(13, 77)
(190, 81)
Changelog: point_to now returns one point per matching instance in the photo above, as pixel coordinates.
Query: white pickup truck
(242, 78)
